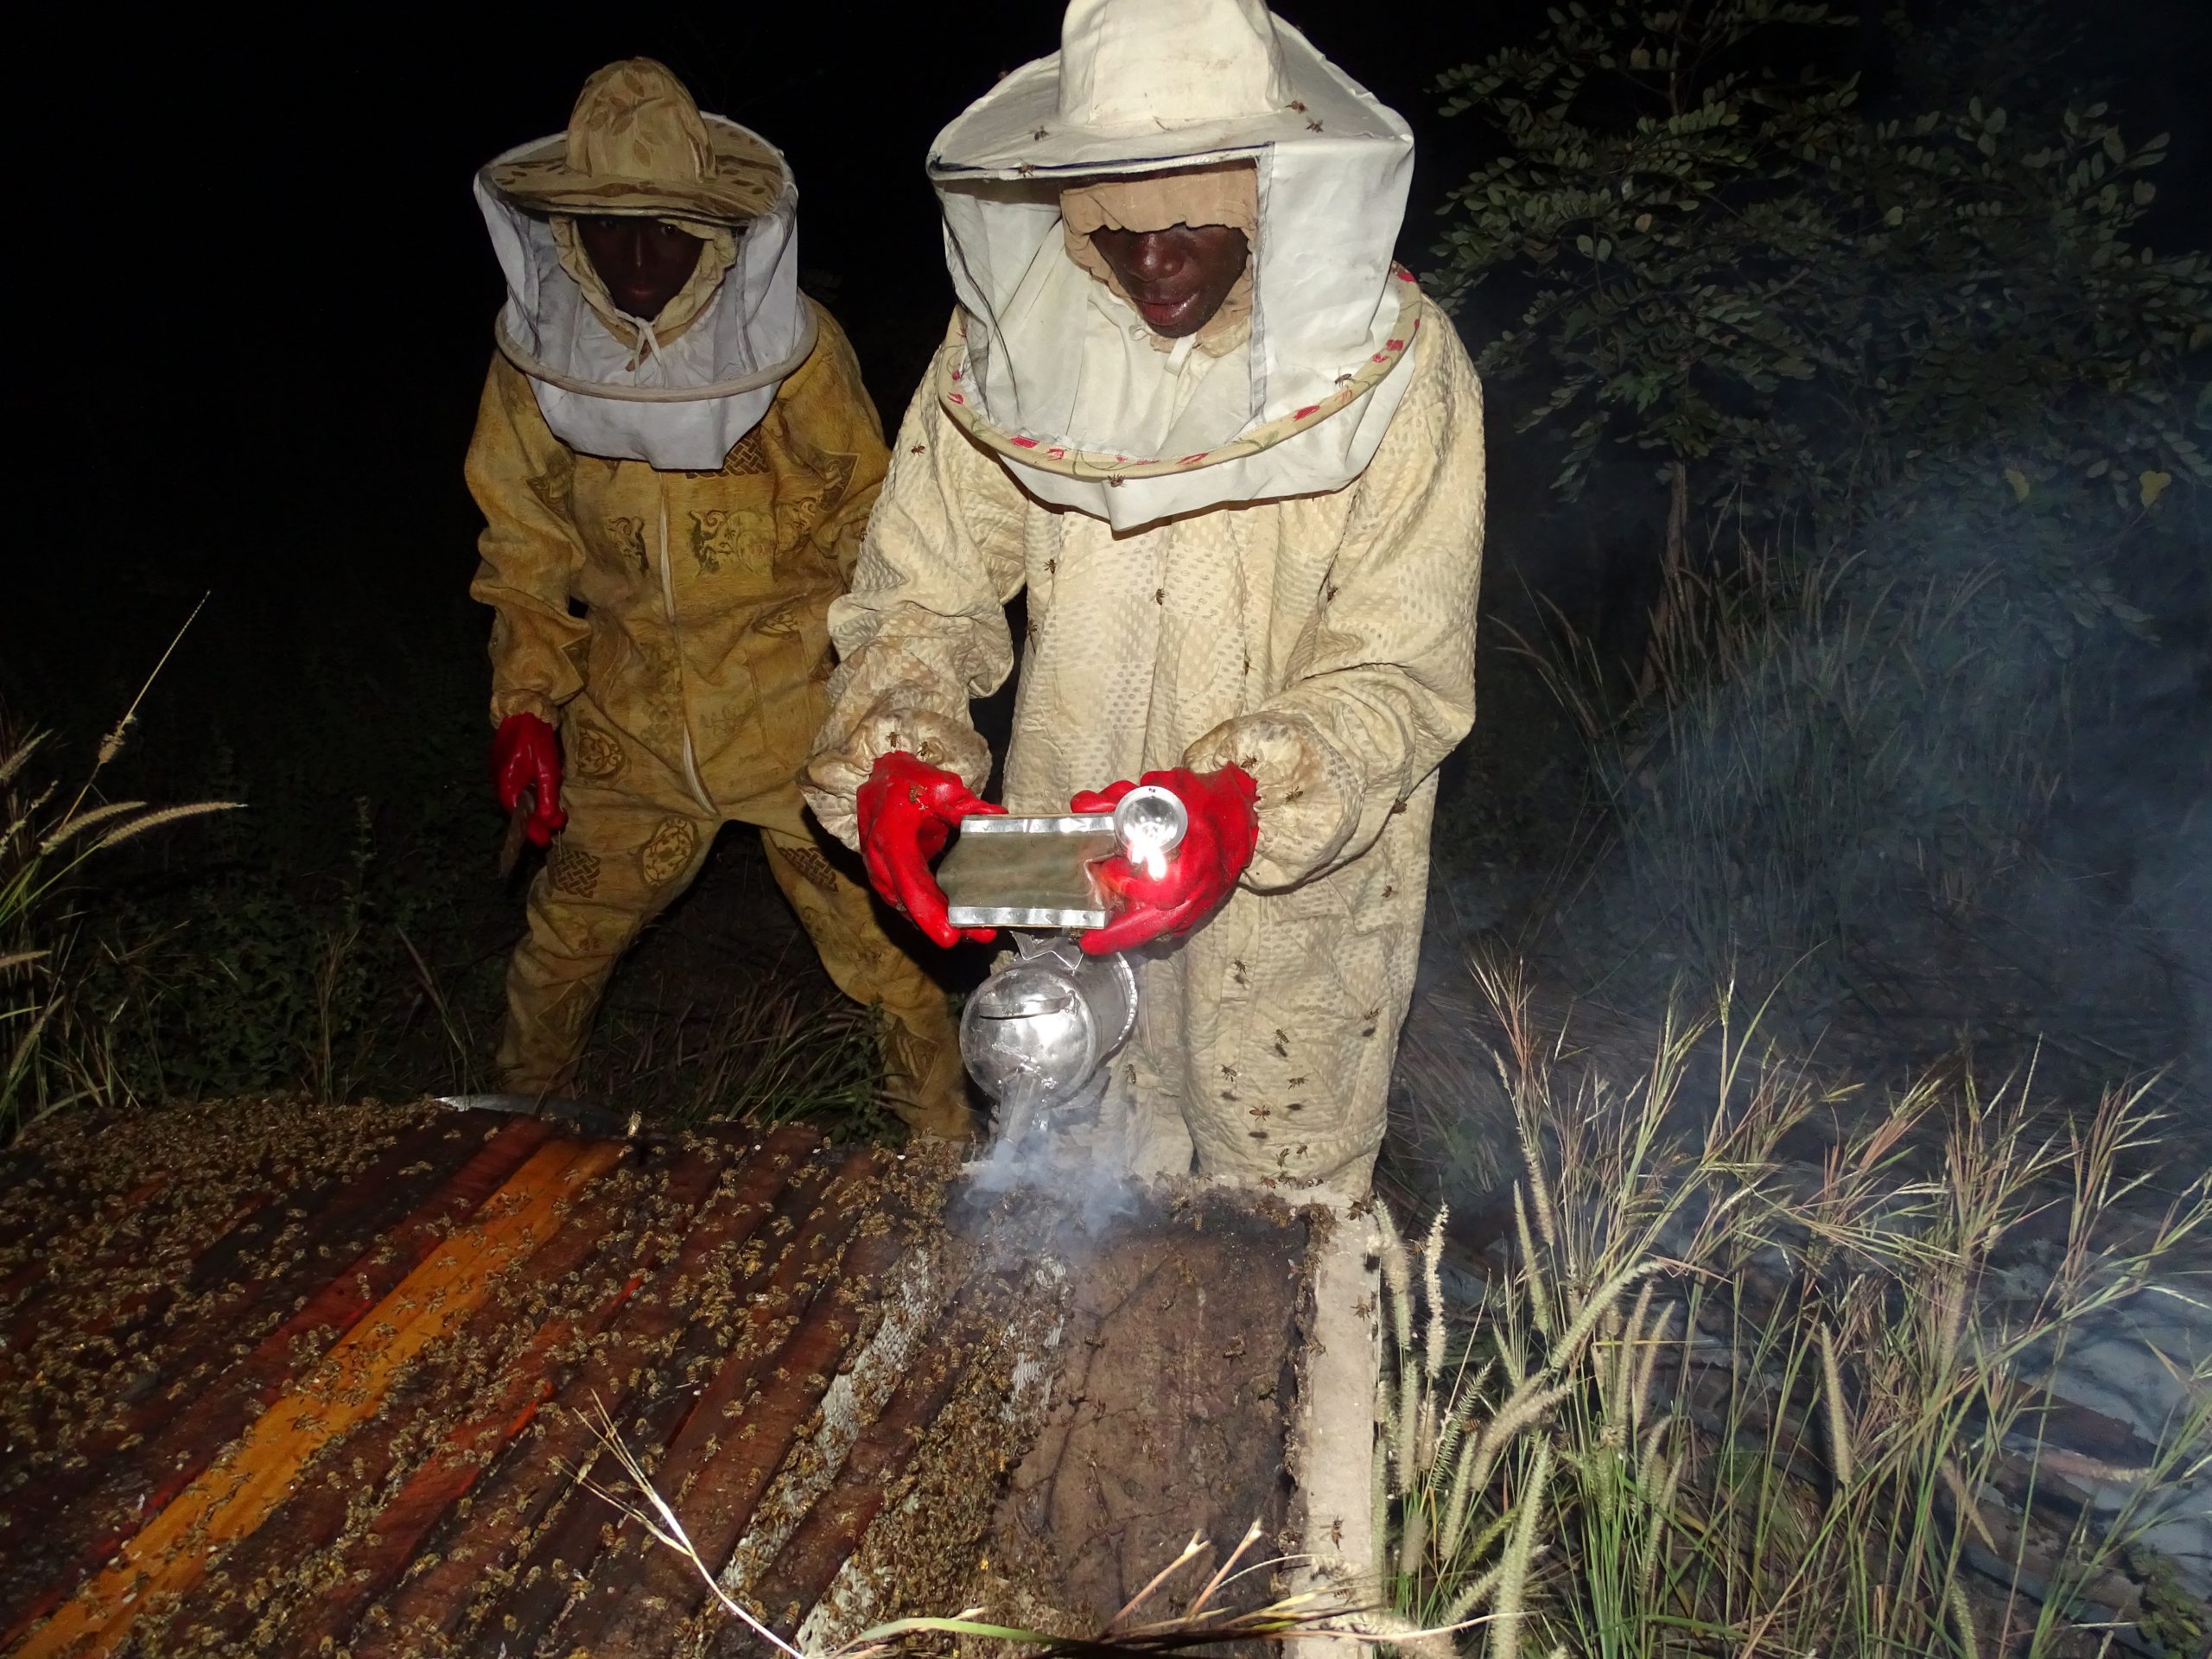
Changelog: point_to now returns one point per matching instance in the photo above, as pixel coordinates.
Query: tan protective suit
(687, 693)
(1324, 643)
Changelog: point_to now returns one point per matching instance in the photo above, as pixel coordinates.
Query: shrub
(1789, 301)
(1914, 375)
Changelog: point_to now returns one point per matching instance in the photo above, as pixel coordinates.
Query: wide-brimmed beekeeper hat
(638, 144)
(1142, 84)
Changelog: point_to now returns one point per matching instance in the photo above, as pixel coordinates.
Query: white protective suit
(1295, 595)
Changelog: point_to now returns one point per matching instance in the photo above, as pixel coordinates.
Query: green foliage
(2174, 1624)
(267, 976)
(1741, 269)
(1910, 368)
(344, 936)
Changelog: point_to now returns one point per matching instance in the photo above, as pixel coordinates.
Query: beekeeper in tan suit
(675, 458)
(1235, 458)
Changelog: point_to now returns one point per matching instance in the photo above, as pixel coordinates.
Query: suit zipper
(683, 693)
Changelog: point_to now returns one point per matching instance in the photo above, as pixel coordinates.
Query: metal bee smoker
(1038, 1030)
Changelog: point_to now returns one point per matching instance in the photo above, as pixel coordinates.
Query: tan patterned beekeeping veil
(717, 253)
(1227, 192)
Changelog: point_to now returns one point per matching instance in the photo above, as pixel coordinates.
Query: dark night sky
(258, 296)
(304, 275)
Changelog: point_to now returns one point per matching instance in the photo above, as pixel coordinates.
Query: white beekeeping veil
(1057, 372)
(678, 395)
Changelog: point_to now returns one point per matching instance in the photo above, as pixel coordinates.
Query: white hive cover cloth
(1054, 372)
(678, 405)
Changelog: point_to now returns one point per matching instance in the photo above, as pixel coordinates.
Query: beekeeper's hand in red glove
(1215, 849)
(526, 754)
(907, 810)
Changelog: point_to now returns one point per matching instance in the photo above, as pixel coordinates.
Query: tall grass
(771, 1049)
(56, 1043)
(1720, 1401)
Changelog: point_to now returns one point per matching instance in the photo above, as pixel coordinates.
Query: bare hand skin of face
(1176, 278)
(644, 263)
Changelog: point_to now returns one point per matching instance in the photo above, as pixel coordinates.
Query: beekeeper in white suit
(1235, 458)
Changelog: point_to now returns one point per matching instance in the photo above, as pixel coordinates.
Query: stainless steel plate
(1027, 871)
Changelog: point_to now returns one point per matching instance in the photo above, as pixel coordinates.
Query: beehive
(282, 1378)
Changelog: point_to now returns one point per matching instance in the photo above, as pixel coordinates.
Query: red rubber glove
(907, 808)
(526, 754)
(1224, 828)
